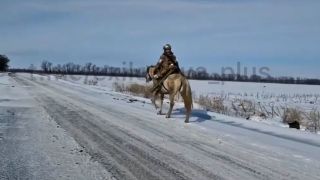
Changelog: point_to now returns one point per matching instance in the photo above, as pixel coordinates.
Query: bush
(218, 105)
(291, 115)
(138, 89)
(135, 89)
(313, 124)
(205, 102)
(215, 104)
(247, 108)
(4, 60)
(118, 87)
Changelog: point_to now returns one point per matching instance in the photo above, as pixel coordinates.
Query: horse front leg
(161, 103)
(171, 105)
(153, 100)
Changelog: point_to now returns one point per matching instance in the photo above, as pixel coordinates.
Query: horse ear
(148, 67)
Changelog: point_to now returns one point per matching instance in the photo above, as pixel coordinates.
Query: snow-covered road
(115, 137)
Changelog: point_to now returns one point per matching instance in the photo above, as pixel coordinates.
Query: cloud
(212, 32)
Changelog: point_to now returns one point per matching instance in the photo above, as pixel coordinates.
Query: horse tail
(187, 95)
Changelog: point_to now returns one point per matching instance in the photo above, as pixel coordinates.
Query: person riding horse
(167, 64)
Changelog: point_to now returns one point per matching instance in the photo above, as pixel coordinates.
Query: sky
(282, 35)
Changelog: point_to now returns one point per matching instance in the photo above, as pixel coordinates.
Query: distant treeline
(200, 74)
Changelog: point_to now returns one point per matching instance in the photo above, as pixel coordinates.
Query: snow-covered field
(267, 98)
(68, 129)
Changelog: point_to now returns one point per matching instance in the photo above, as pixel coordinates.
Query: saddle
(160, 82)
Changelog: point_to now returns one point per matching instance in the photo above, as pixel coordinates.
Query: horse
(172, 85)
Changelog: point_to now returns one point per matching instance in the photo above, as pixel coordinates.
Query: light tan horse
(172, 85)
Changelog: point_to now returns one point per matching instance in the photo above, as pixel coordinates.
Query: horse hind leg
(188, 113)
(187, 99)
(188, 107)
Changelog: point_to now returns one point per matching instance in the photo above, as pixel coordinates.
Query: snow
(255, 141)
(280, 96)
(202, 117)
(209, 121)
(198, 86)
(33, 145)
(213, 88)
(4, 79)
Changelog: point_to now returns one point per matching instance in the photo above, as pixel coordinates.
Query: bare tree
(4, 60)
(88, 67)
(45, 66)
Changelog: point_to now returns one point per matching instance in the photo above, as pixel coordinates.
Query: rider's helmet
(167, 47)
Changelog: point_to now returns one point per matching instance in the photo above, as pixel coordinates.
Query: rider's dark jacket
(167, 62)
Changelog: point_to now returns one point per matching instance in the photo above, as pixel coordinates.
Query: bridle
(149, 78)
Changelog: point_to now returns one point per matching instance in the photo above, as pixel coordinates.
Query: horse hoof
(159, 113)
(167, 116)
(186, 121)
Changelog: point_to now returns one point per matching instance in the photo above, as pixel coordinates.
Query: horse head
(150, 73)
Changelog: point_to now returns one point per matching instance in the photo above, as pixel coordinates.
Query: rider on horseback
(168, 79)
(167, 64)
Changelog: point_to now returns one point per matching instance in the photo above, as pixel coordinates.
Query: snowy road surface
(57, 130)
